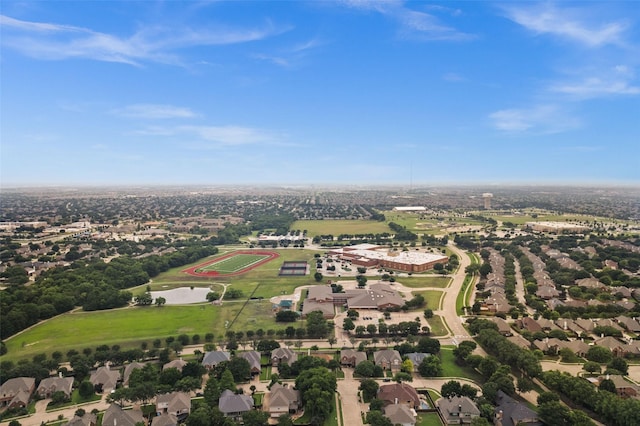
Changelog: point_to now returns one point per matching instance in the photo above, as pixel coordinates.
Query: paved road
(448, 312)
(351, 406)
(520, 291)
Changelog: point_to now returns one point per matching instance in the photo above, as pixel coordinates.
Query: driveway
(351, 407)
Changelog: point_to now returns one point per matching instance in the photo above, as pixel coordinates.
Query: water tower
(487, 196)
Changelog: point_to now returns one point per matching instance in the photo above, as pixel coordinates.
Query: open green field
(427, 223)
(542, 215)
(419, 281)
(130, 327)
(233, 264)
(265, 276)
(337, 227)
(451, 369)
(437, 326)
(432, 297)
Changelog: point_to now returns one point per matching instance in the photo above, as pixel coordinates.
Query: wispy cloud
(205, 137)
(291, 56)
(413, 23)
(567, 23)
(543, 119)
(611, 82)
(154, 111)
(52, 41)
(453, 77)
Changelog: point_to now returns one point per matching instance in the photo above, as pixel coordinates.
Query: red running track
(192, 271)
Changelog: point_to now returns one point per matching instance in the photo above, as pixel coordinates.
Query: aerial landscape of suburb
(326, 213)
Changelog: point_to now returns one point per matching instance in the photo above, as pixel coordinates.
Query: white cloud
(50, 41)
(414, 23)
(453, 77)
(611, 82)
(154, 111)
(567, 23)
(206, 137)
(543, 119)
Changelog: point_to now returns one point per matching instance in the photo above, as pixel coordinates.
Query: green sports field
(233, 264)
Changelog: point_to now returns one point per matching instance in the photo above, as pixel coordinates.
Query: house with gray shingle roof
(457, 409)
(352, 357)
(88, 419)
(284, 356)
(417, 358)
(283, 400)
(178, 364)
(253, 358)
(176, 403)
(233, 405)
(388, 359)
(129, 369)
(630, 324)
(399, 393)
(105, 378)
(165, 419)
(55, 384)
(16, 392)
(400, 414)
(213, 358)
(116, 416)
(510, 412)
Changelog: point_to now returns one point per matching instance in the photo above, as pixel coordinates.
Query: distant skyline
(350, 92)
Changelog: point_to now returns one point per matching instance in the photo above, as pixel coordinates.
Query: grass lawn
(432, 297)
(337, 227)
(425, 281)
(332, 420)
(428, 419)
(233, 264)
(257, 398)
(130, 326)
(265, 373)
(451, 369)
(437, 326)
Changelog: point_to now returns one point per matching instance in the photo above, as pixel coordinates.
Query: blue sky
(354, 92)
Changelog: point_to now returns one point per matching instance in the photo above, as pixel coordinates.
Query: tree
(430, 367)
(160, 301)
(85, 390)
(286, 316)
(332, 341)
(348, 325)
(607, 385)
(428, 313)
(369, 388)
(407, 366)
(451, 388)
(255, 418)
(226, 381)
(266, 346)
(375, 418)
(599, 354)
(428, 345)
(591, 367)
(317, 326)
(285, 420)
(402, 377)
(619, 365)
(318, 277)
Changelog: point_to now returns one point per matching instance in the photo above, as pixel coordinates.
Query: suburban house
(213, 358)
(417, 358)
(400, 414)
(129, 369)
(624, 389)
(399, 393)
(165, 419)
(233, 405)
(16, 392)
(510, 412)
(176, 403)
(457, 409)
(253, 358)
(104, 378)
(116, 416)
(88, 419)
(176, 363)
(529, 324)
(55, 384)
(283, 356)
(388, 359)
(283, 400)
(352, 357)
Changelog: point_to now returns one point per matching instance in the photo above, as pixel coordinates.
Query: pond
(183, 295)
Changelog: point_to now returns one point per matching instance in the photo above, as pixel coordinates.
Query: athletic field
(235, 263)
